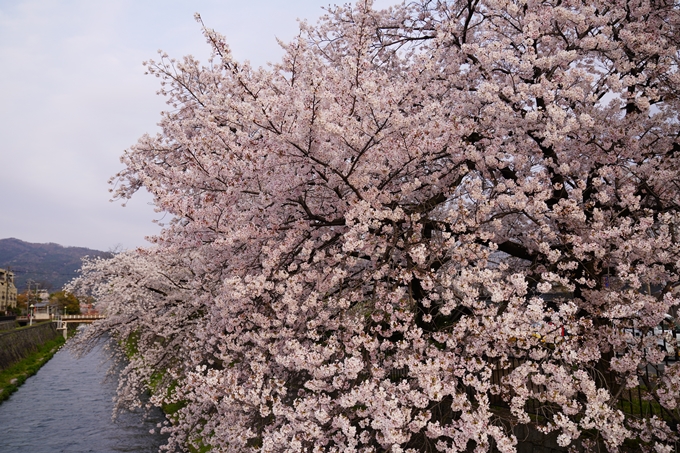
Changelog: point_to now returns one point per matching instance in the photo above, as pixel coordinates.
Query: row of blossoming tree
(423, 227)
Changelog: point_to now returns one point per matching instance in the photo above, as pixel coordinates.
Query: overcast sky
(73, 97)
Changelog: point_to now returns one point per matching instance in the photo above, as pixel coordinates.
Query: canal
(67, 406)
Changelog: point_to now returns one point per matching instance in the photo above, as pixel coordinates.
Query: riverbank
(12, 377)
(17, 344)
(67, 407)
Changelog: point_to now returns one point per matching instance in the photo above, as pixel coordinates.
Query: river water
(67, 406)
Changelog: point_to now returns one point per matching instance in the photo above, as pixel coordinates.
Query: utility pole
(5, 302)
(7, 271)
(37, 287)
(4, 280)
(28, 297)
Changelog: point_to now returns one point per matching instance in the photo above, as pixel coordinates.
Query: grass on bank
(12, 377)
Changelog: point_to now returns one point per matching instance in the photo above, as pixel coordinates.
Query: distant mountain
(51, 265)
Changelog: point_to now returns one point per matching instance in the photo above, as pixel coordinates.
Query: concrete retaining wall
(17, 344)
(7, 325)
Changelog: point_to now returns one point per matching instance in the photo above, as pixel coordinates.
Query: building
(43, 295)
(8, 292)
(43, 311)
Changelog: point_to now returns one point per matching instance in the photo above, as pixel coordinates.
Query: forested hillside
(52, 265)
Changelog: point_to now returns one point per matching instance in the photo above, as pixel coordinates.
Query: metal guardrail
(80, 317)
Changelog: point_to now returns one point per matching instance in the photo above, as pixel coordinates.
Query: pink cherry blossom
(421, 227)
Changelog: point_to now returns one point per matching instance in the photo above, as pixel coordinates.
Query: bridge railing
(80, 317)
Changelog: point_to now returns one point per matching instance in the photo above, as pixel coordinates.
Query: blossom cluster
(423, 226)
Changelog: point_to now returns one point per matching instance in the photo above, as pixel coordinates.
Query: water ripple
(66, 407)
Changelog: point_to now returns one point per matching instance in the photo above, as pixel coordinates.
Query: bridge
(64, 320)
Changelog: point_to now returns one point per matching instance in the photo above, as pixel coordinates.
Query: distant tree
(22, 301)
(15, 311)
(66, 302)
(116, 249)
(44, 284)
(25, 299)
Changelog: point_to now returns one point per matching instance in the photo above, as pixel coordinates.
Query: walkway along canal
(67, 406)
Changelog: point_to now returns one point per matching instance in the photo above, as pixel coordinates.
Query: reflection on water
(66, 407)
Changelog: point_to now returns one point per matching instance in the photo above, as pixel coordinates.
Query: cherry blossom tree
(421, 228)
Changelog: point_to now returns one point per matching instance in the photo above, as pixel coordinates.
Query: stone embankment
(7, 322)
(17, 344)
